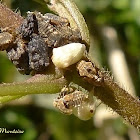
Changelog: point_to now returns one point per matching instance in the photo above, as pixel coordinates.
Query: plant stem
(5, 99)
(120, 101)
(111, 93)
(44, 85)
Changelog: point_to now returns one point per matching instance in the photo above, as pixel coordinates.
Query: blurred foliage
(42, 124)
(6, 68)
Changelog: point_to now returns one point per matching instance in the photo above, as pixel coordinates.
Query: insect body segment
(69, 101)
(75, 102)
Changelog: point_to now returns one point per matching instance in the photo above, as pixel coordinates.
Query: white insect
(75, 102)
(67, 55)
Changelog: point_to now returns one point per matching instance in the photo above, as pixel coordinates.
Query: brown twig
(110, 93)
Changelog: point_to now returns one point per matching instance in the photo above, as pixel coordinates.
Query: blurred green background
(37, 118)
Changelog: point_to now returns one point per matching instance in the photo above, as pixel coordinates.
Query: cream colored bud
(67, 55)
